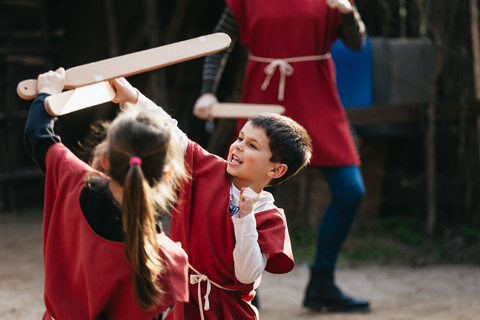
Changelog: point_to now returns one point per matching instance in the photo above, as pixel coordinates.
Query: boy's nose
(239, 145)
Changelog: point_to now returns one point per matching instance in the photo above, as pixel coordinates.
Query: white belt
(285, 69)
(198, 278)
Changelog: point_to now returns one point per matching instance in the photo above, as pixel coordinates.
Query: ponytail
(141, 149)
(141, 246)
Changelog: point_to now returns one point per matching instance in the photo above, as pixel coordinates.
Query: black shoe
(323, 295)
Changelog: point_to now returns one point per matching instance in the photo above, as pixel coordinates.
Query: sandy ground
(395, 293)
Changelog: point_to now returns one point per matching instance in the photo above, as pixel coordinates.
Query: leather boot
(323, 295)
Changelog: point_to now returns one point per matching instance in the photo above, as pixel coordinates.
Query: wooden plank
(381, 114)
(395, 114)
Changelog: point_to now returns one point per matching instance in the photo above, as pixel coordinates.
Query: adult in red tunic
(203, 224)
(289, 64)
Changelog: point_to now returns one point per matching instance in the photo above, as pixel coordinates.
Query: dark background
(36, 36)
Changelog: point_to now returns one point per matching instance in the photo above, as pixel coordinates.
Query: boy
(225, 221)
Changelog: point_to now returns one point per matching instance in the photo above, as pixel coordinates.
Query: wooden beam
(393, 114)
(381, 114)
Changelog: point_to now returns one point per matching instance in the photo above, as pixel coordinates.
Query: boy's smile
(235, 160)
(249, 159)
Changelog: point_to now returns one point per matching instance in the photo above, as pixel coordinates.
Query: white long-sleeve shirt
(249, 261)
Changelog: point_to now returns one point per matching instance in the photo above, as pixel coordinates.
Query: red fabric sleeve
(273, 238)
(175, 279)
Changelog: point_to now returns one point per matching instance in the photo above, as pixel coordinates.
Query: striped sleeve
(214, 64)
(353, 31)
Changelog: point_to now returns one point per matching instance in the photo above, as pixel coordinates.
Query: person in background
(289, 63)
(105, 257)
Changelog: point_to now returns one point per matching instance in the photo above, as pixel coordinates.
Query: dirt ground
(396, 293)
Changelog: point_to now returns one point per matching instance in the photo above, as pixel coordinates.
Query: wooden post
(475, 46)
(431, 127)
(431, 163)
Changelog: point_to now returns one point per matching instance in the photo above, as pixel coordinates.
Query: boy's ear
(277, 171)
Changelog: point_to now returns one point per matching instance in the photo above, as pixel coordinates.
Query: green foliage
(394, 240)
(470, 233)
(303, 243)
(405, 230)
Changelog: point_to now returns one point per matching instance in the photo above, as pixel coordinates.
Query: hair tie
(135, 160)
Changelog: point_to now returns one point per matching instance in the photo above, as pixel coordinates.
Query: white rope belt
(285, 68)
(198, 278)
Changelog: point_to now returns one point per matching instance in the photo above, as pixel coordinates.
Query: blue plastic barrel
(354, 74)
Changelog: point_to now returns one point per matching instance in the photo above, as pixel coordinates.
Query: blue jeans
(346, 186)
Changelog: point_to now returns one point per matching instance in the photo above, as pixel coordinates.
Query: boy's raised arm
(126, 93)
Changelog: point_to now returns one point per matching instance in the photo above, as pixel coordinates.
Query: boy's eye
(253, 146)
(240, 139)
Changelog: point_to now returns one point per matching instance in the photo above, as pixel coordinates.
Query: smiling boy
(249, 160)
(227, 224)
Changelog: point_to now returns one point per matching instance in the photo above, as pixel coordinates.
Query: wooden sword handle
(27, 89)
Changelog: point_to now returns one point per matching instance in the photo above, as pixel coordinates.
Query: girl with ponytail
(105, 254)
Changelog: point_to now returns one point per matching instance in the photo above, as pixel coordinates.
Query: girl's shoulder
(60, 158)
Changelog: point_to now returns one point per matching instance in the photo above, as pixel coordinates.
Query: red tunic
(296, 28)
(202, 223)
(87, 276)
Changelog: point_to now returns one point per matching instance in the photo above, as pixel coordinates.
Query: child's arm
(126, 93)
(352, 31)
(39, 133)
(248, 198)
(248, 260)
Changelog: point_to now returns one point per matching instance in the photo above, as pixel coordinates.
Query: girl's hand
(343, 6)
(203, 106)
(248, 198)
(51, 82)
(125, 91)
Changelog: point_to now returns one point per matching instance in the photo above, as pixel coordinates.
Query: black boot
(323, 294)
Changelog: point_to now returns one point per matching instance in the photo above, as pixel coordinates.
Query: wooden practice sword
(91, 95)
(134, 63)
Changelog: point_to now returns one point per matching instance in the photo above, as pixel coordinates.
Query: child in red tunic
(104, 255)
(289, 62)
(226, 222)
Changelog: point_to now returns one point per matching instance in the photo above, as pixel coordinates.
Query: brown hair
(146, 189)
(289, 142)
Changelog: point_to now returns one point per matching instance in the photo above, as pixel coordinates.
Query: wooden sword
(134, 63)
